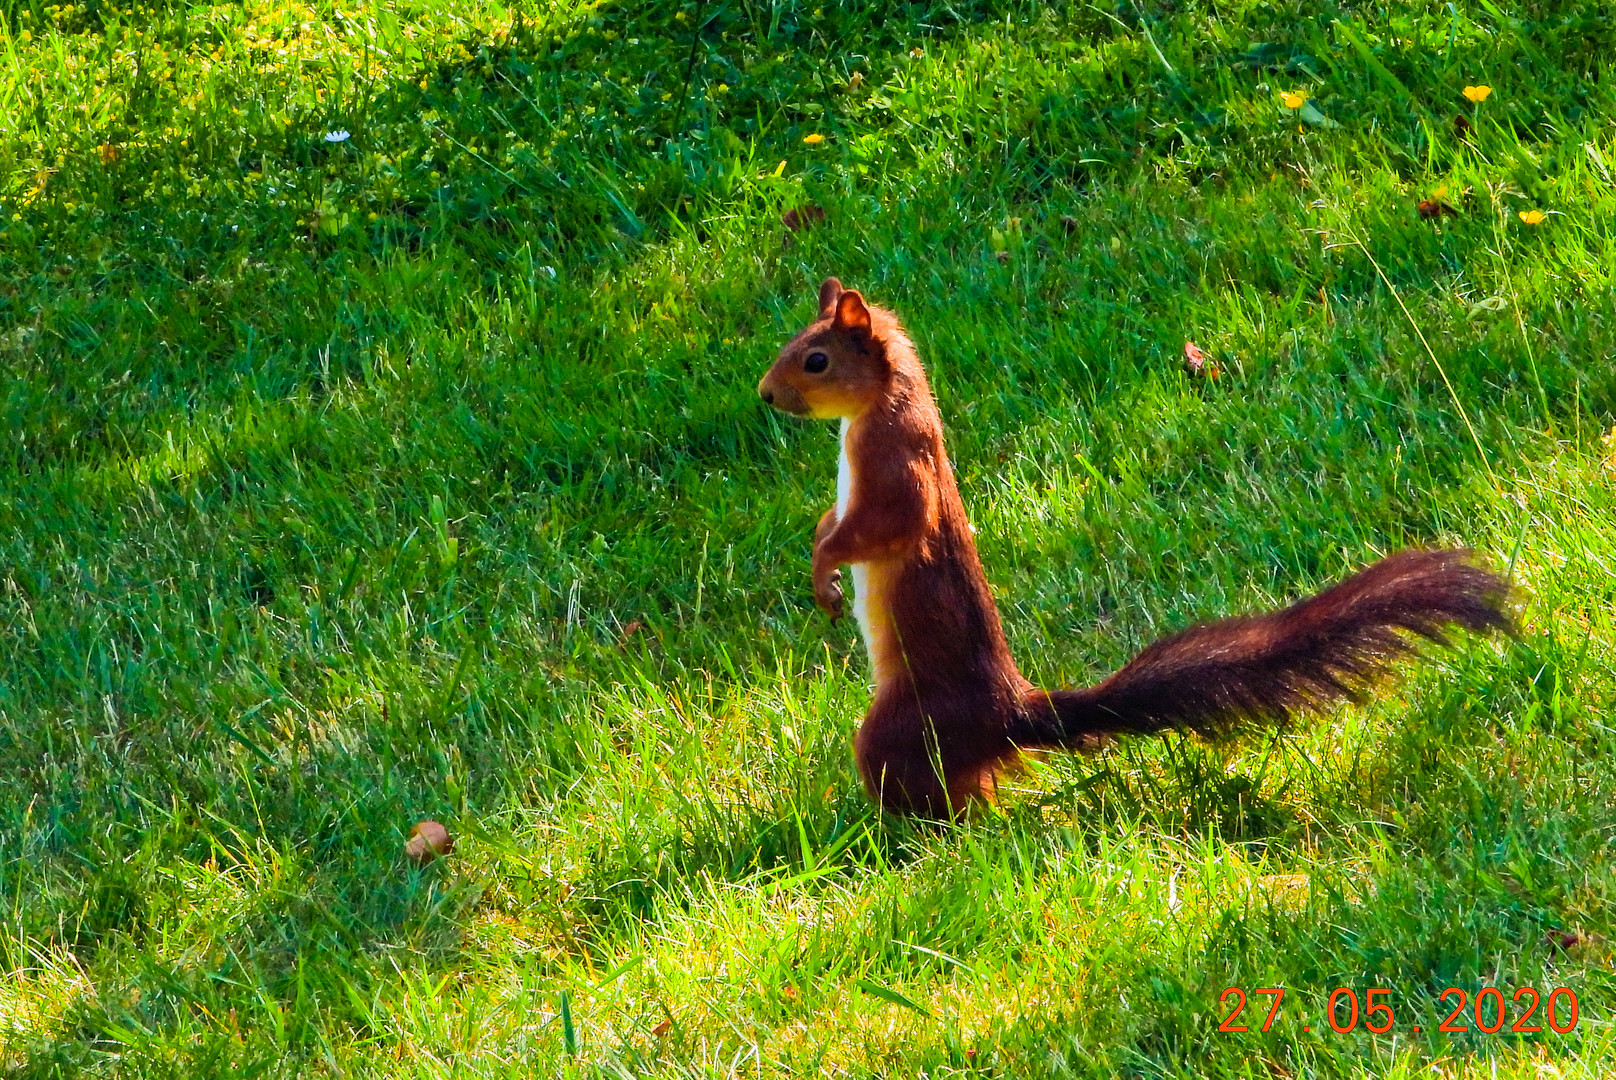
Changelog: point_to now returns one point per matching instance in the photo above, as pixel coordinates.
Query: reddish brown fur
(950, 706)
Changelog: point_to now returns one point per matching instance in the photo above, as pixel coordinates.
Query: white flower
(336, 136)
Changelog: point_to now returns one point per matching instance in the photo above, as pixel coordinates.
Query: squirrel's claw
(828, 595)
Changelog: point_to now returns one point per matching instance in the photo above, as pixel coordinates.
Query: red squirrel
(951, 709)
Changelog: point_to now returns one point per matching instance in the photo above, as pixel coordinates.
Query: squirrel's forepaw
(828, 595)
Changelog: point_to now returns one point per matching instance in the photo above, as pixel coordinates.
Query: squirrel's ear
(829, 291)
(851, 312)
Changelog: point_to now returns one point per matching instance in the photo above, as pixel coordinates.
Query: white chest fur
(844, 494)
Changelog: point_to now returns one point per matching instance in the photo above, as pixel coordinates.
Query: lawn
(381, 443)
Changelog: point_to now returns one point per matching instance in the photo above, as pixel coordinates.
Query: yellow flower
(813, 140)
(1477, 94)
(1293, 99)
(1532, 217)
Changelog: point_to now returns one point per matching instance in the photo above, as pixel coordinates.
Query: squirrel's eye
(816, 362)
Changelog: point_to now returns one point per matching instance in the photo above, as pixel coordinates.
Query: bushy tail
(1266, 667)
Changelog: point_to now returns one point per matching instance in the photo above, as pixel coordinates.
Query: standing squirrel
(951, 709)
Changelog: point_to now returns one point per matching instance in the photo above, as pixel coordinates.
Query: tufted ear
(829, 292)
(851, 312)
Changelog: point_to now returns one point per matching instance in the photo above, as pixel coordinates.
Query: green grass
(421, 474)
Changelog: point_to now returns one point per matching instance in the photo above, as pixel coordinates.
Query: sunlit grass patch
(36, 1001)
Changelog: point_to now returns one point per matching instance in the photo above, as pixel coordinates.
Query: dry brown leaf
(427, 841)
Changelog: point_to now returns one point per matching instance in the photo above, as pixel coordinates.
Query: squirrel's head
(835, 367)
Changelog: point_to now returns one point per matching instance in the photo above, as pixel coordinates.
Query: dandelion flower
(1477, 94)
(1532, 217)
(813, 140)
(1294, 99)
(336, 136)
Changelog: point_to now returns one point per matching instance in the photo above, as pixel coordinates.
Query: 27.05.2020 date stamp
(1490, 1012)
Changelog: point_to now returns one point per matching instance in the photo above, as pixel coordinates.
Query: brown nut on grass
(427, 841)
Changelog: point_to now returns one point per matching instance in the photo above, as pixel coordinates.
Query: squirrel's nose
(767, 395)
